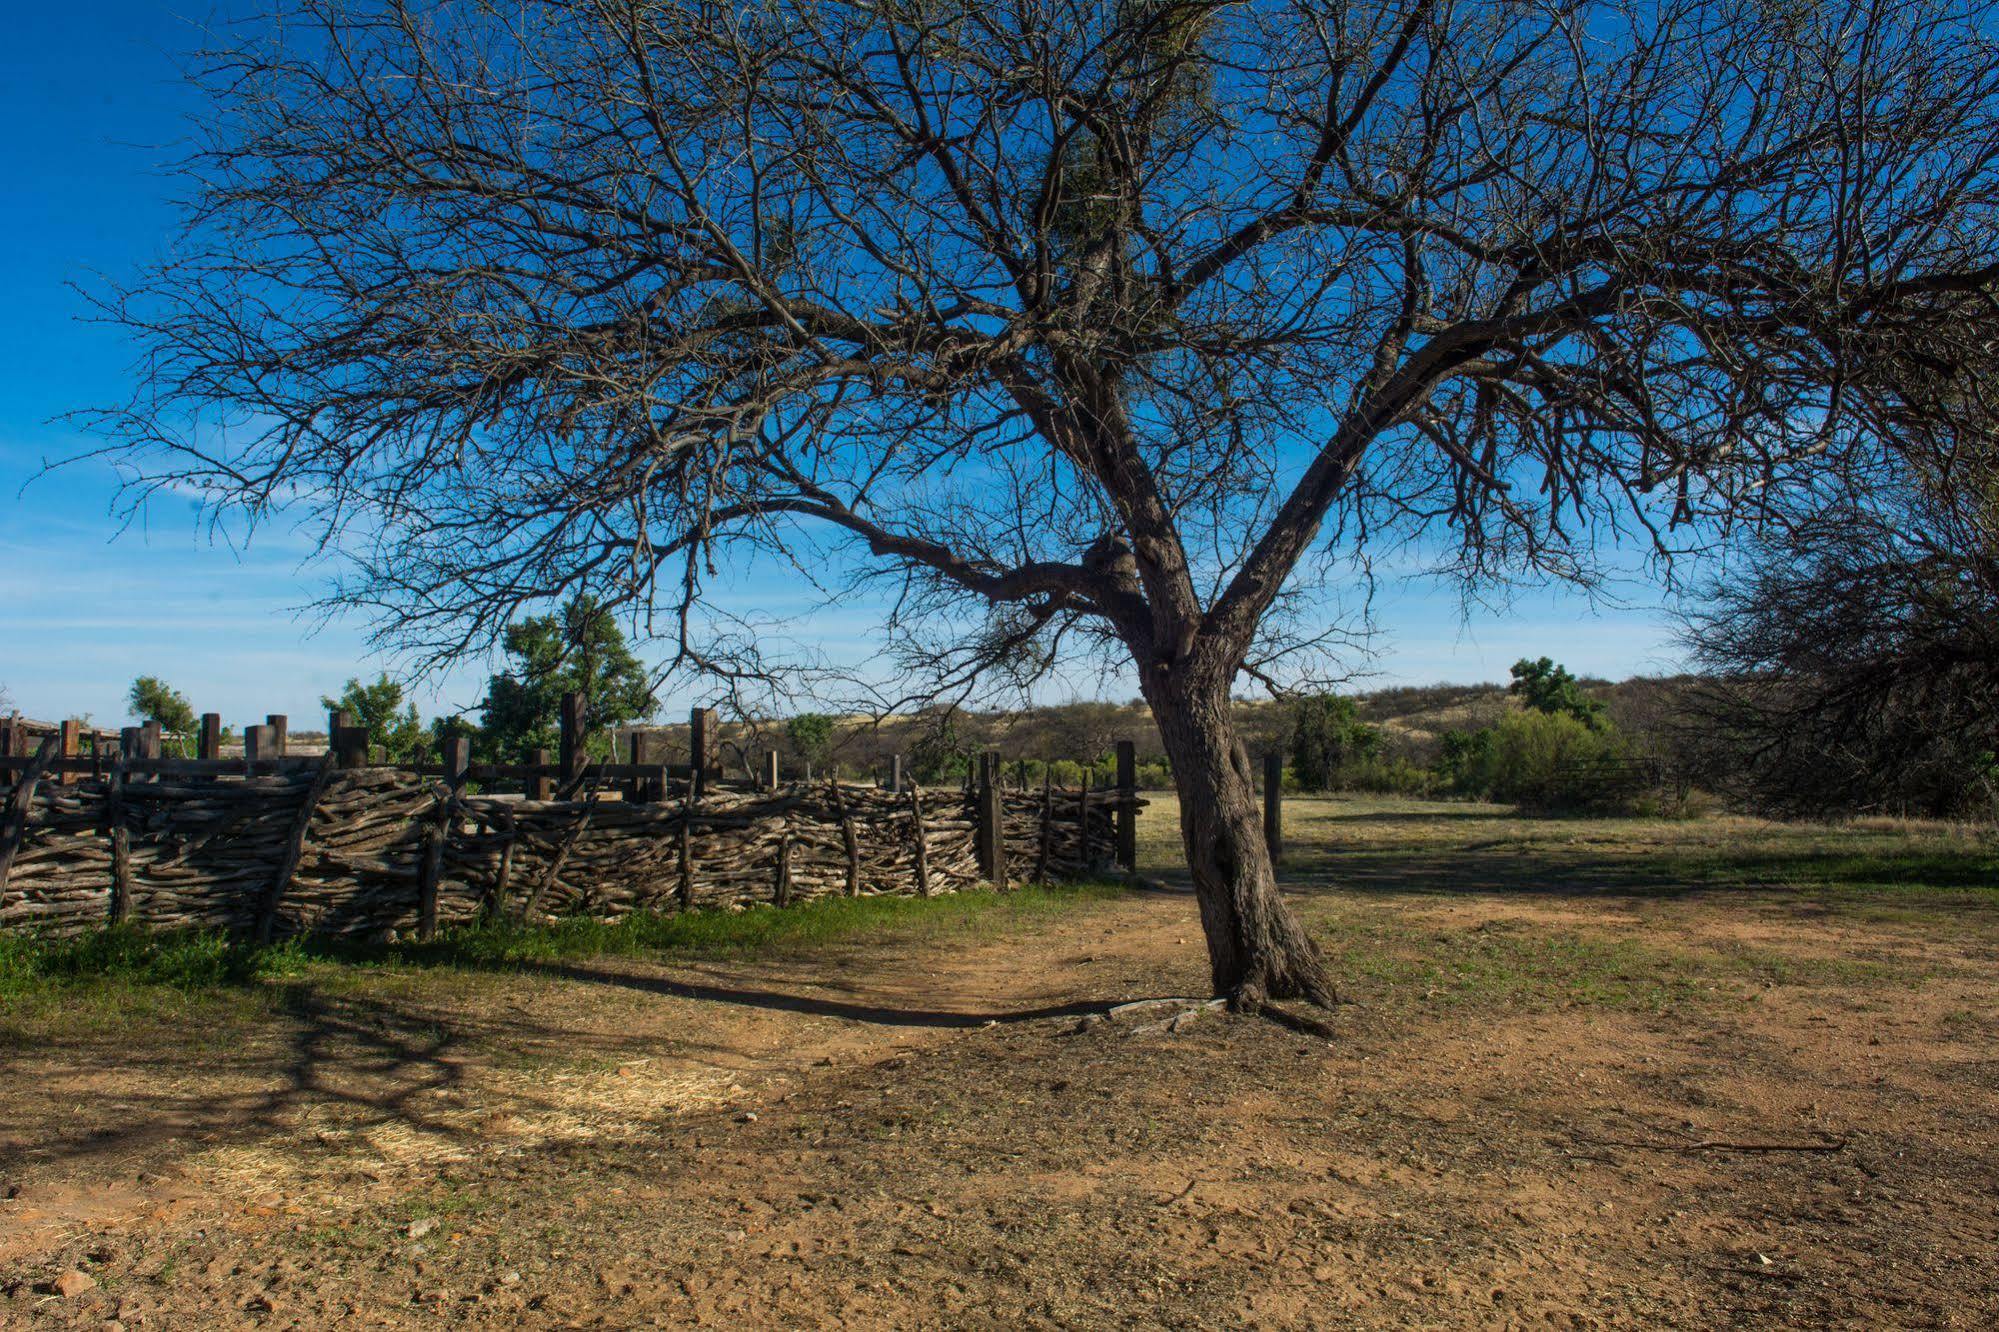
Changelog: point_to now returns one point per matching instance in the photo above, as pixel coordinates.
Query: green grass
(755, 930)
(1519, 968)
(115, 966)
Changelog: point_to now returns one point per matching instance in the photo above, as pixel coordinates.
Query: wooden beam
(770, 770)
(561, 857)
(991, 821)
(210, 745)
(72, 747)
(1127, 810)
(457, 766)
(121, 838)
(280, 734)
(257, 743)
(922, 842)
(703, 735)
(849, 838)
(349, 745)
(541, 785)
(281, 882)
(1047, 822)
(15, 830)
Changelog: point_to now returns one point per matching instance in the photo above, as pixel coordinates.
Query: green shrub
(1539, 759)
(1328, 736)
(1385, 776)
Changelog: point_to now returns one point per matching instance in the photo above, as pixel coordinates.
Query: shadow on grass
(1927, 882)
(204, 1037)
(892, 1015)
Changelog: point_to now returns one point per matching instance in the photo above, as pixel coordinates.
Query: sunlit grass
(118, 967)
(1874, 869)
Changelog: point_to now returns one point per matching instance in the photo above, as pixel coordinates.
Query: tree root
(1303, 1023)
(1186, 1011)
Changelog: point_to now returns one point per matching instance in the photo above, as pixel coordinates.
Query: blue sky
(94, 103)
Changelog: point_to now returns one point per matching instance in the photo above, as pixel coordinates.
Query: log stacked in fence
(206, 848)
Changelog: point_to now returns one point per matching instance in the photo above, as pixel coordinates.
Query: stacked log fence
(277, 844)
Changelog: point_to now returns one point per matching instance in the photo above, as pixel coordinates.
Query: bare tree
(1090, 326)
(1853, 658)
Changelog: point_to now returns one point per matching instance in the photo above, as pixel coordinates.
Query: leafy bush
(1546, 760)
(1382, 775)
(1328, 736)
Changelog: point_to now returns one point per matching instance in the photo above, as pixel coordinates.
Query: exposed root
(1303, 1023)
(1184, 1012)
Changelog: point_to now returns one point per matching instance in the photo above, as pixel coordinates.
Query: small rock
(74, 1283)
(747, 1117)
(510, 1278)
(421, 1227)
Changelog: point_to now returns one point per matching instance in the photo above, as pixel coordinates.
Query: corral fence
(274, 843)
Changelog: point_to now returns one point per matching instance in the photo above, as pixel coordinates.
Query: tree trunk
(1257, 950)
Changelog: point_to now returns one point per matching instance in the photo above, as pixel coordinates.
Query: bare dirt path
(1562, 1101)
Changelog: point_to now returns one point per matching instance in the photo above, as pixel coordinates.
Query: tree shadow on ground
(813, 1005)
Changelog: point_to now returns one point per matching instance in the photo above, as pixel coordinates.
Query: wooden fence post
(701, 740)
(646, 752)
(457, 765)
(922, 842)
(1047, 822)
(575, 731)
(541, 786)
(281, 882)
(347, 742)
(280, 735)
(992, 821)
(209, 746)
(895, 774)
(72, 746)
(256, 746)
(150, 734)
(14, 830)
(121, 839)
(1273, 805)
(457, 759)
(848, 838)
(1127, 809)
(770, 770)
(684, 850)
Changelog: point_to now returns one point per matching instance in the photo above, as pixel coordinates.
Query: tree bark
(1257, 950)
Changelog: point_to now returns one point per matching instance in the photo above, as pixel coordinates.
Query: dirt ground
(1594, 1074)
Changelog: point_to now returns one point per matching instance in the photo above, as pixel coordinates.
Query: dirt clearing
(1618, 1074)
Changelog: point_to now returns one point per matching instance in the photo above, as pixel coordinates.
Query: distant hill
(1413, 719)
